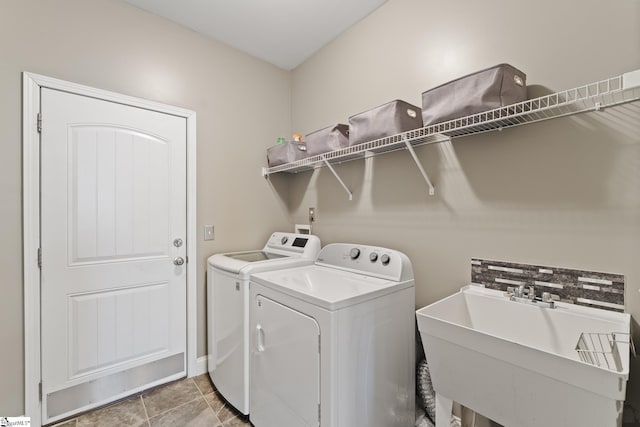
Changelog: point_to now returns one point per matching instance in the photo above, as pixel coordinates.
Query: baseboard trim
(201, 365)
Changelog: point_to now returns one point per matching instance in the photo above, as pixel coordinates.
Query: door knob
(178, 261)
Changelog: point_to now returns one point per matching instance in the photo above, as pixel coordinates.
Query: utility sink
(525, 364)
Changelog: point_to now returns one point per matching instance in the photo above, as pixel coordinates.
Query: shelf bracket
(327, 164)
(432, 191)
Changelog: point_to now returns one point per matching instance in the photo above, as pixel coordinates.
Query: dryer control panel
(368, 260)
(306, 245)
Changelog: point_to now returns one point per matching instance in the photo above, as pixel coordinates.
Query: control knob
(284, 240)
(384, 259)
(355, 253)
(373, 257)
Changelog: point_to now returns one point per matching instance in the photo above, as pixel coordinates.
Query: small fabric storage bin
(327, 139)
(389, 119)
(484, 90)
(286, 152)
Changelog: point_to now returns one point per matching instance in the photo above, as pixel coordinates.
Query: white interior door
(113, 300)
(285, 366)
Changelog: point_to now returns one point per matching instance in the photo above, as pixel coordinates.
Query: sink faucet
(531, 293)
(527, 295)
(522, 292)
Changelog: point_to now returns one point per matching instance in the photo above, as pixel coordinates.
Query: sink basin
(517, 363)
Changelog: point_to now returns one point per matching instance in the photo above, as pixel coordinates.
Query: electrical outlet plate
(208, 232)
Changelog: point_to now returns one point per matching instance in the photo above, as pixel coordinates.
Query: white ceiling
(282, 32)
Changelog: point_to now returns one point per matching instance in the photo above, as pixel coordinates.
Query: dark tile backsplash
(588, 288)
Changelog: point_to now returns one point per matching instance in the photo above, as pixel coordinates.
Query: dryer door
(285, 366)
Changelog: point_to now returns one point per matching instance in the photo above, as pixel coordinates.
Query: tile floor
(189, 402)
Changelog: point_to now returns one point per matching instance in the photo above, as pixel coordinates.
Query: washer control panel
(368, 260)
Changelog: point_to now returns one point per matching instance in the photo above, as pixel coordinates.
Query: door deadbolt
(177, 242)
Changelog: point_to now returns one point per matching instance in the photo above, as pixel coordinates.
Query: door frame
(31, 85)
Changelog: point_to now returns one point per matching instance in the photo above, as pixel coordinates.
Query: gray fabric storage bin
(328, 139)
(389, 119)
(484, 90)
(286, 152)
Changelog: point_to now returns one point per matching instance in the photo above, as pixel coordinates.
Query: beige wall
(564, 193)
(561, 193)
(242, 104)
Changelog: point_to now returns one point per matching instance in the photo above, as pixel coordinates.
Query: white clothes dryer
(333, 343)
(228, 307)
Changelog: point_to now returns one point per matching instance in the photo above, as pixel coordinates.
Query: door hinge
(39, 257)
(319, 344)
(318, 414)
(39, 122)
(40, 391)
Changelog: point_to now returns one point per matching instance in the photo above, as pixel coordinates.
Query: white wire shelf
(590, 97)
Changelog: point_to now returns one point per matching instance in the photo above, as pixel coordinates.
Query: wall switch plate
(208, 232)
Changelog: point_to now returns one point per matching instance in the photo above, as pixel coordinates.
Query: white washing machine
(228, 307)
(333, 343)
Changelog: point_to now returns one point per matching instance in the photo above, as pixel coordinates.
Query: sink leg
(444, 408)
